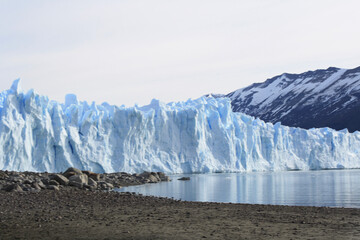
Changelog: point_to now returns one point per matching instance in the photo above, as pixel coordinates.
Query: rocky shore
(77, 205)
(74, 178)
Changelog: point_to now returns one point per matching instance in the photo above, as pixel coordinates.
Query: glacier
(195, 136)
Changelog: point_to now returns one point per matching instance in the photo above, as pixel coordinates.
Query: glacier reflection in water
(331, 188)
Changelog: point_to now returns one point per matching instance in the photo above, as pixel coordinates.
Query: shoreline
(254, 204)
(79, 214)
(78, 211)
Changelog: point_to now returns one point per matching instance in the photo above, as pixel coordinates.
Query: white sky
(131, 51)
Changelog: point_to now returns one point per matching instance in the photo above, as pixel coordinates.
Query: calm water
(332, 188)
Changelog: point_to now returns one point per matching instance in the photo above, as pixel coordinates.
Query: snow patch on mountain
(321, 98)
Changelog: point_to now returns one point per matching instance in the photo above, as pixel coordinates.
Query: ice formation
(201, 135)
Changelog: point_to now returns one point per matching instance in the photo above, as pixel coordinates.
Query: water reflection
(333, 188)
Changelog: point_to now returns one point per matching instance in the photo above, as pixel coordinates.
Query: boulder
(92, 182)
(95, 176)
(45, 181)
(76, 184)
(91, 188)
(53, 182)
(72, 171)
(92, 175)
(105, 186)
(163, 177)
(60, 179)
(184, 179)
(13, 188)
(83, 179)
(36, 186)
(26, 187)
(153, 179)
(41, 185)
(17, 188)
(156, 176)
(3, 176)
(69, 174)
(150, 177)
(16, 179)
(53, 187)
(78, 180)
(27, 181)
(145, 174)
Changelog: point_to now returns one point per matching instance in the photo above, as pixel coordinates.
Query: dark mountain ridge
(320, 98)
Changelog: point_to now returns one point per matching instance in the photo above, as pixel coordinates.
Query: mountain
(314, 99)
(202, 135)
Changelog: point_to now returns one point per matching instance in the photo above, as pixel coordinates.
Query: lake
(331, 188)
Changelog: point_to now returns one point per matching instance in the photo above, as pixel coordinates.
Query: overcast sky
(131, 51)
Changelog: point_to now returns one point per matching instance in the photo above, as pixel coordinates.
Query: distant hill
(321, 98)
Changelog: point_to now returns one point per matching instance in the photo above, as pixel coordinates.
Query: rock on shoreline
(74, 178)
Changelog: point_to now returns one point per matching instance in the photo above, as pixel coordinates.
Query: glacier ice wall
(202, 135)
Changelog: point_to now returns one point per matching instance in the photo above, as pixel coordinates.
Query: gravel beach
(78, 214)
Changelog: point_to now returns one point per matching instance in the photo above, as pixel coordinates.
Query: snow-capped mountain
(202, 135)
(321, 98)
